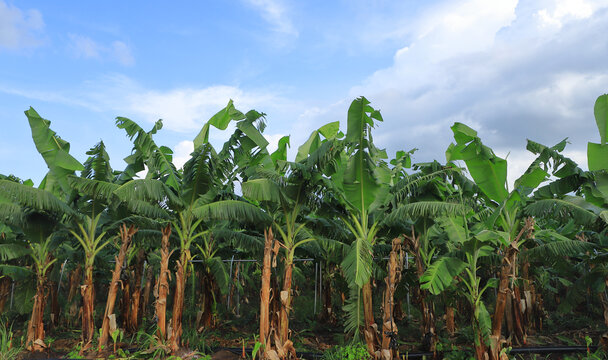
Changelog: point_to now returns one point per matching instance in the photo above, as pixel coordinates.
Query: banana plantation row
(497, 256)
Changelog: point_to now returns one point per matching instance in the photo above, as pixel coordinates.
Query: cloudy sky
(510, 69)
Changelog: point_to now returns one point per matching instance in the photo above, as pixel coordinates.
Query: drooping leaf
(557, 245)
(95, 188)
(330, 130)
(263, 189)
(357, 264)
(454, 228)
(232, 210)
(149, 190)
(427, 209)
(254, 134)
(488, 170)
(569, 207)
(34, 198)
(220, 120)
(354, 312)
(53, 149)
(280, 153)
(309, 146)
(484, 320)
(219, 273)
(441, 273)
(10, 251)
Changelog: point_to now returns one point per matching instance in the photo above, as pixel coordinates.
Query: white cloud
(275, 13)
(84, 47)
(181, 153)
(493, 66)
(122, 53)
(186, 109)
(19, 29)
(555, 13)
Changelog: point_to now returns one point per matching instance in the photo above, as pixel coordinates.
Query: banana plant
(463, 263)
(92, 243)
(55, 152)
(424, 200)
(489, 172)
(213, 277)
(37, 214)
(361, 177)
(41, 255)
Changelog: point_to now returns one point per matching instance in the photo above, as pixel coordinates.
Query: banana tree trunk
(124, 301)
(518, 320)
(35, 329)
(178, 308)
(162, 285)
(481, 351)
(146, 296)
(88, 307)
(285, 303)
(604, 302)
(54, 303)
(134, 316)
(327, 314)
(370, 331)
(126, 236)
(398, 311)
(73, 305)
(450, 324)
(389, 328)
(501, 300)
(508, 267)
(265, 291)
(528, 294)
(74, 281)
(5, 290)
(427, 326)
(206, 301)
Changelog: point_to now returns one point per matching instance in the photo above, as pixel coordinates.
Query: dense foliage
(149, 243)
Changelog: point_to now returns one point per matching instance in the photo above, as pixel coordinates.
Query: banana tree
(464, 263)
(37, 214)
(213, 274)
(362, 179)
(423, 200)
(489, 172)
(95, 188)
(92, 244)
(40, 253)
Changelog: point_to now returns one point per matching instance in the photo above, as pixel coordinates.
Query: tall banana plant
(92, 243)
(362, 178)
(37, 214)
(506, 221)
(424, 200)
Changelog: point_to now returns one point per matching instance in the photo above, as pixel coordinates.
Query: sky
(512, 70)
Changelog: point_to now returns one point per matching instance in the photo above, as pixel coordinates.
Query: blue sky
(511, 69)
